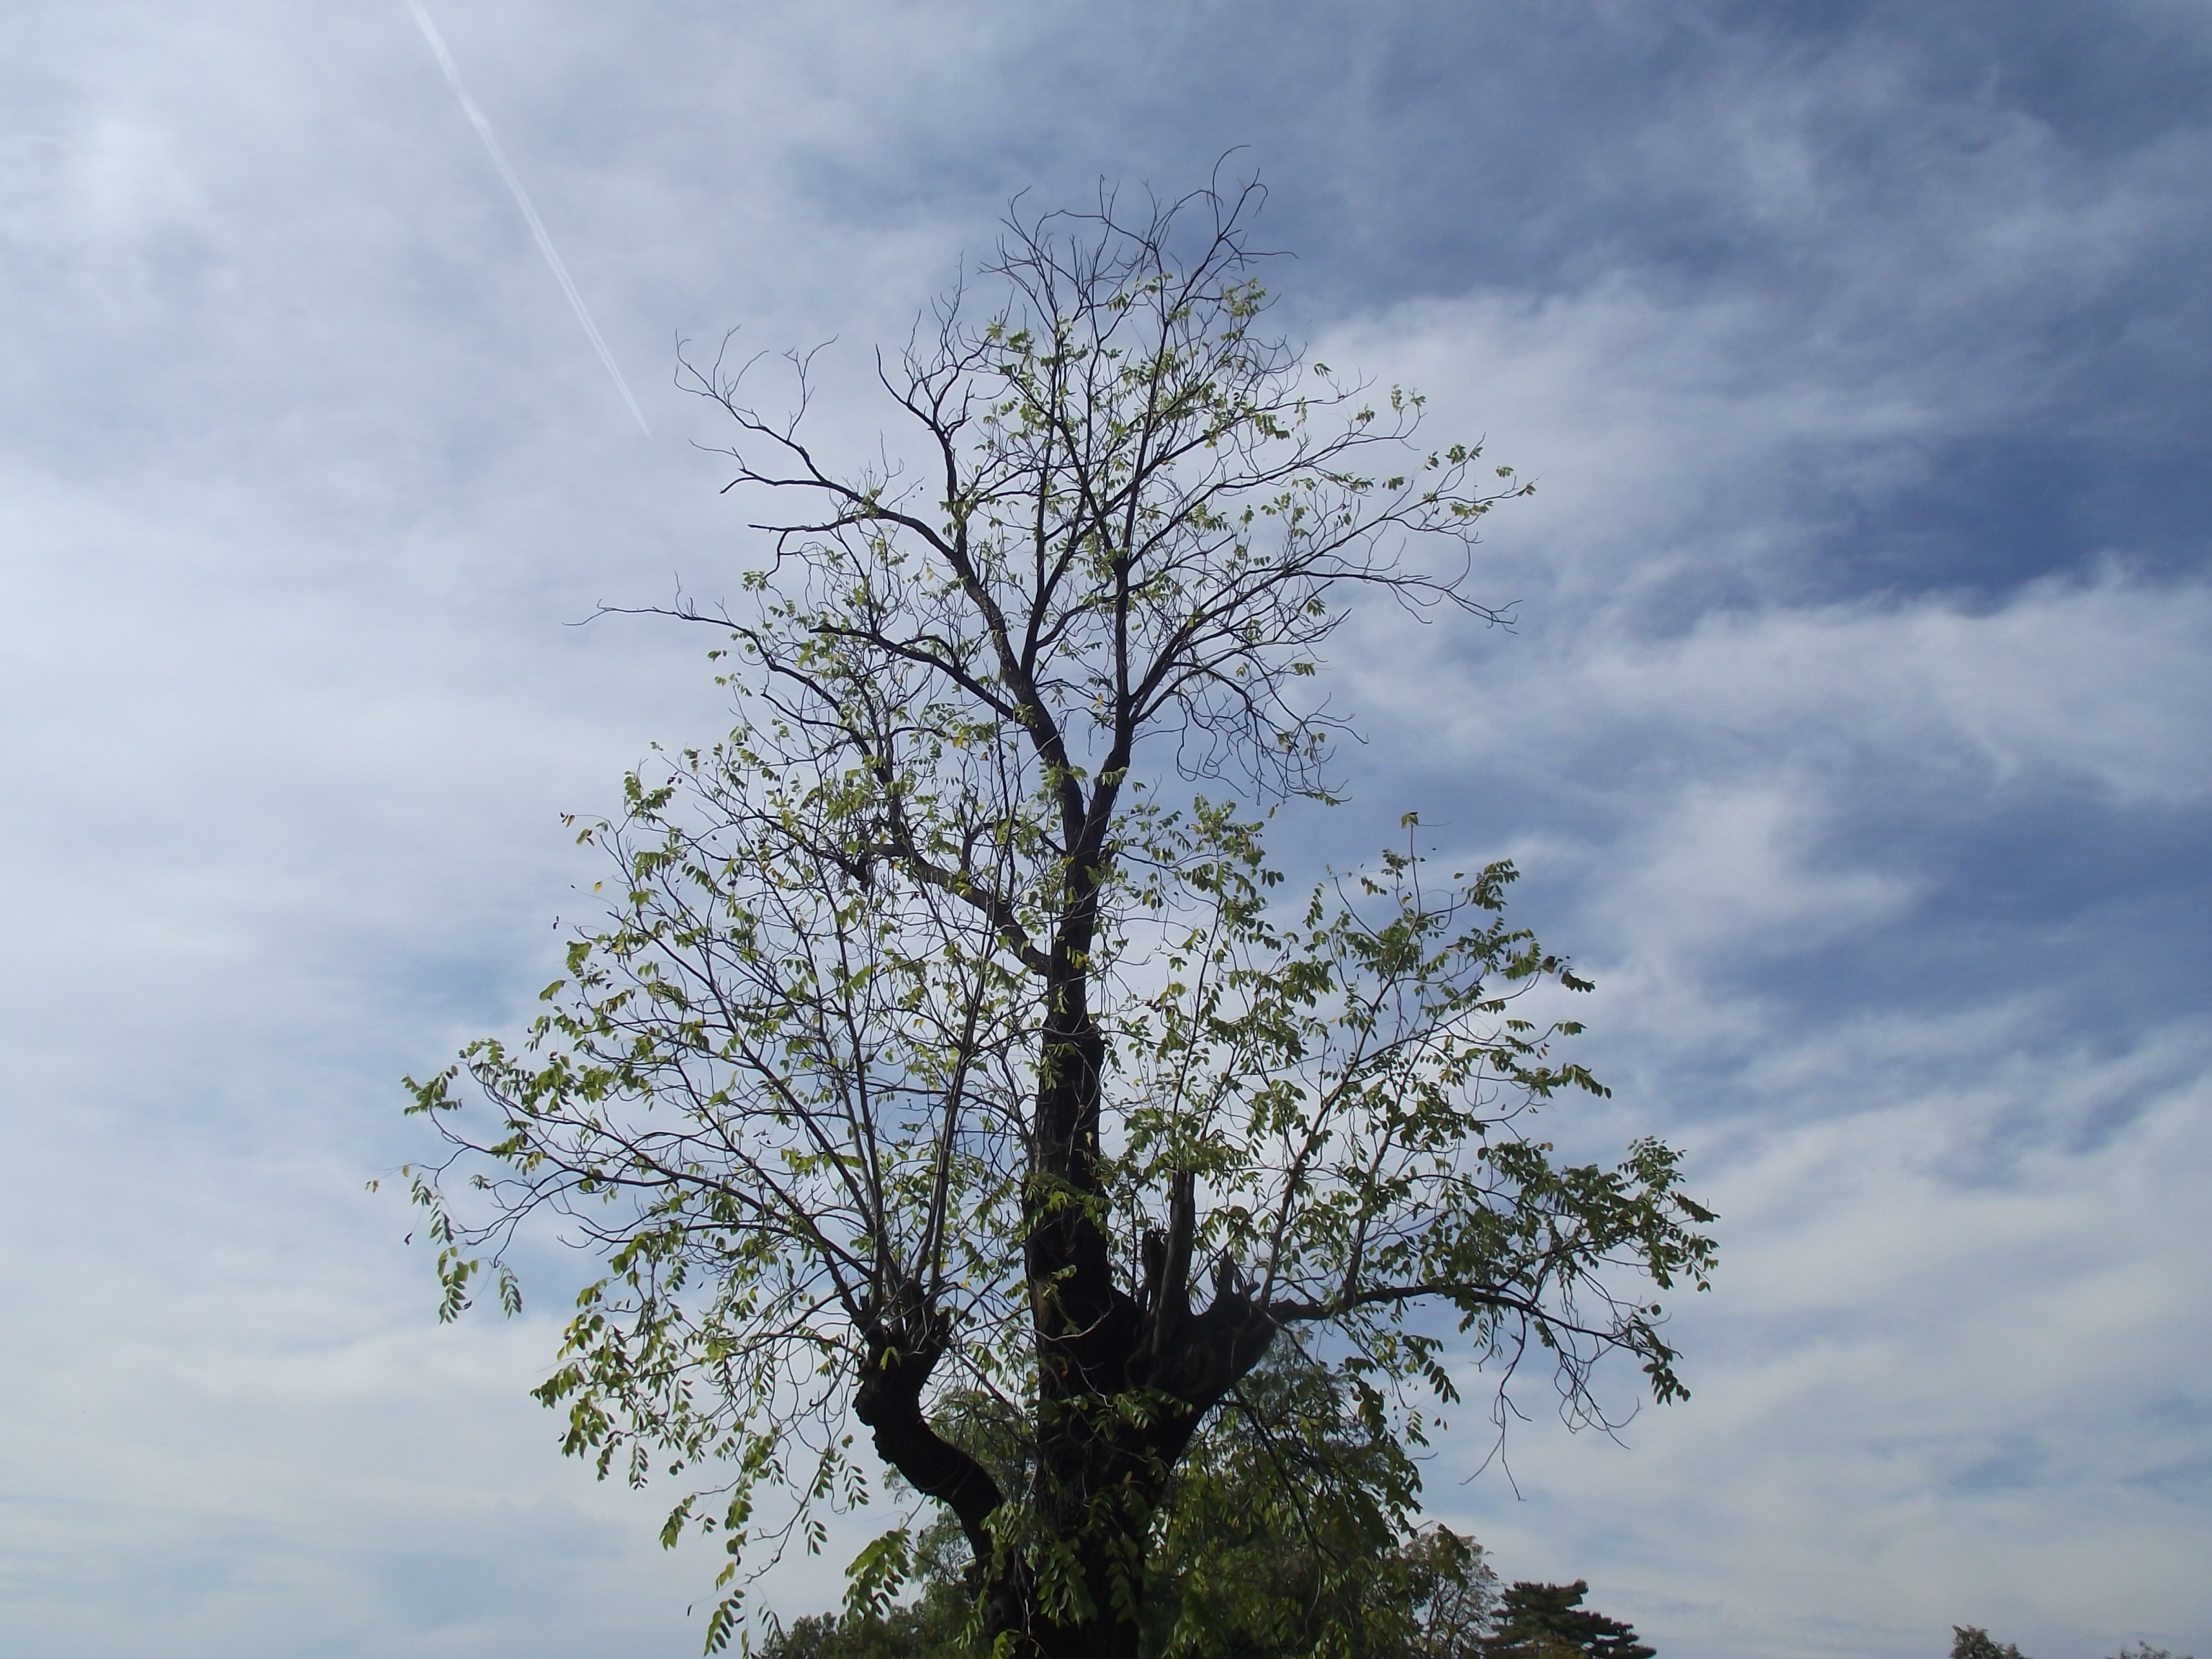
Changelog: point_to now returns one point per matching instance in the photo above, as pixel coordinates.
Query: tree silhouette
(944, 1045)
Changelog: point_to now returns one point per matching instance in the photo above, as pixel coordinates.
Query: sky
(1855, 734)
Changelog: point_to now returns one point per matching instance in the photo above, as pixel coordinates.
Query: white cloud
(1724, 868)
(1922, 1399)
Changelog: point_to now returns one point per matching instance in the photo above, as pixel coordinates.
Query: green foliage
(1293, 1530)
(1292, 1534)
(1548, 1621)
(942, 1070)
(937, 1623)
(1970, 1642)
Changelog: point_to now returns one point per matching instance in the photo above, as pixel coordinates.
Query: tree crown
(944, 1045)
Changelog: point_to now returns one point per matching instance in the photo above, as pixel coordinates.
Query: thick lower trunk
(1113, 1634)
(1101, 1467)
(1124, 1380)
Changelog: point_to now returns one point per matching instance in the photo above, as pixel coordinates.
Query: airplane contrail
(522, 200)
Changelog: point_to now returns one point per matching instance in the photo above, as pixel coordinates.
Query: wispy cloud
(483, 124)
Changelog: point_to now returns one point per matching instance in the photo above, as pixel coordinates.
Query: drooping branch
(902, 1351)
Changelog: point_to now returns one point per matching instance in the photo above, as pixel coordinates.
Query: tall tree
(939, 1047)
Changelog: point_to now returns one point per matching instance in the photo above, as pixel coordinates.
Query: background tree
(1291, 1528)
(1972, 1642)
(1291, 1531)
(1548, 1621)
(937, 1049)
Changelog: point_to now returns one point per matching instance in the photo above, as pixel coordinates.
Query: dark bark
(1100, 1470)
(902, 1352)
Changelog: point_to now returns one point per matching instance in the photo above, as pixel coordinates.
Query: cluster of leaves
(1353, 1086)
(1293, 1528)
(1435, 1597)
(1292, 1533)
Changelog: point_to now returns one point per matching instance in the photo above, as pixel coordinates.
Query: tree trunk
(1100, 1473)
